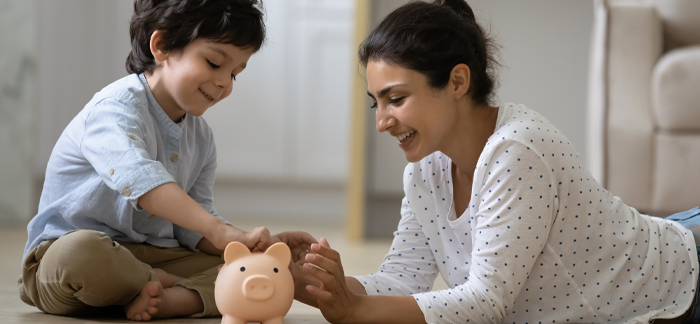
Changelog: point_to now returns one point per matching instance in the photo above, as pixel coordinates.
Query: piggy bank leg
(277, 320)
(232, 320)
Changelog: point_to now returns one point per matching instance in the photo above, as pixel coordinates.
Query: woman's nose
(384, 120)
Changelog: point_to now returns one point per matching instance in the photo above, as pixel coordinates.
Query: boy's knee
(98, 270)
(82, 248)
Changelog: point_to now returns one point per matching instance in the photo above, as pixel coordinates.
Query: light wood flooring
(358, 258)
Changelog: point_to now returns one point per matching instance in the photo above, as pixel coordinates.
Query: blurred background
(284, 136)
(296, 140)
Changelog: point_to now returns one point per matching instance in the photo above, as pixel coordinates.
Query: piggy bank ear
(235, 251)
(280, 251)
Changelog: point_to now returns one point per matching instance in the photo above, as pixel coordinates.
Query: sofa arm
(634, 44)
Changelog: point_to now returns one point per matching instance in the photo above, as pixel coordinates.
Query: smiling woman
(497, 201)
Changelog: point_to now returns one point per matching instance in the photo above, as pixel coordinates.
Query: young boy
(126, 215)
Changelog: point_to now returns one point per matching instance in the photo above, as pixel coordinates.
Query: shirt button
(132, 137)
(173, 158)
(126, 192)
(111, 171)
(151, 216)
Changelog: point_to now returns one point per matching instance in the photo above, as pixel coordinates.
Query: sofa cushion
(676, 90)
(676, 175)
(681, 22)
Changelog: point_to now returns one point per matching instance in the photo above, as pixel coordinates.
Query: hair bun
(460, 7)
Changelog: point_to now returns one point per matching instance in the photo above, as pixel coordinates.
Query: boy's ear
(156, 46)
(280, 251)
(235, 251)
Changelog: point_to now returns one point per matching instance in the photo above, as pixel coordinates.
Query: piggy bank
(254, 287)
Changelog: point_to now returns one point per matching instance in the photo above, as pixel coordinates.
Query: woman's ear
(157, 46)
(460, 79)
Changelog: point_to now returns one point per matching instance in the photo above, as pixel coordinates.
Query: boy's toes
(154, 302)
(152, 310)
(136, 317)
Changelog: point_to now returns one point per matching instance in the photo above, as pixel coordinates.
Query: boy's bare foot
(154, 302)
(143, 307)
(166, 279)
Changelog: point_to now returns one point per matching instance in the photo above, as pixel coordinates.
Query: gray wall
(17, 81)
(545, 47)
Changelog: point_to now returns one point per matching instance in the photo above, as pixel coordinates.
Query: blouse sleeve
(512, 212)
(409, 267)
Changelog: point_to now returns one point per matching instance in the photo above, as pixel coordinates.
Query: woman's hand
(257, 239)
(335, 300)
(299, 244)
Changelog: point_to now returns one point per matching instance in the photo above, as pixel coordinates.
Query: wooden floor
(358, 258)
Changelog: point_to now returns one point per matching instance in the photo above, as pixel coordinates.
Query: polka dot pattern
(540, 242)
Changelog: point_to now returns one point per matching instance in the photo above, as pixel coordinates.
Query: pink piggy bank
(254, 287)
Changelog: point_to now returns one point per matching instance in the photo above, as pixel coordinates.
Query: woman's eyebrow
(386, 89)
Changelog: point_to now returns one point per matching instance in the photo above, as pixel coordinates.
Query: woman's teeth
(405, 135)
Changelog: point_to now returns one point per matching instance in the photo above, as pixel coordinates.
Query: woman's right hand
(257, 240)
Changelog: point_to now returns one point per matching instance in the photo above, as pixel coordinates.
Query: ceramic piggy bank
(254, 287)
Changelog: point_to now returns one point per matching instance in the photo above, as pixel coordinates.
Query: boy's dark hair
(432, 38)
(236, 22)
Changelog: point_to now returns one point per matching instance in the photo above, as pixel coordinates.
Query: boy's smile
(197, 77)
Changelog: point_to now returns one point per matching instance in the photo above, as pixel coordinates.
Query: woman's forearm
(169, 201)
(387, 309)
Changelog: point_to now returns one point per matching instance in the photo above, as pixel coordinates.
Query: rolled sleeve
(116, 144)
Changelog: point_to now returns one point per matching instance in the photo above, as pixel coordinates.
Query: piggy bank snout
(258, 287)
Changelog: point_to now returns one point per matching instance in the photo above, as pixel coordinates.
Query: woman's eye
(213, 66)
(395, 101)
(233, 77)
(373, 105)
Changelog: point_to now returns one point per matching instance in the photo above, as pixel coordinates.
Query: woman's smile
(406, 138)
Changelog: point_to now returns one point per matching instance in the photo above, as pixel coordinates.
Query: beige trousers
(84, 271)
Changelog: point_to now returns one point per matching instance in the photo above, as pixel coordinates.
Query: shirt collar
(157, 111)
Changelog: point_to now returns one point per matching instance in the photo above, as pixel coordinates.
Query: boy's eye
(213, 66)
(373, 105)
(233, 77)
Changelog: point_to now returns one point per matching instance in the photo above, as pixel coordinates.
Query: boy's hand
(257, 239)
(299, 244)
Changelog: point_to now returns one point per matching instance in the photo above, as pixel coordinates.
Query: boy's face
(197, 77)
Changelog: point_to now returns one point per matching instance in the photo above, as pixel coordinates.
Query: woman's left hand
(336, 302)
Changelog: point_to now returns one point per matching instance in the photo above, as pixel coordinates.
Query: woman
(497, 200)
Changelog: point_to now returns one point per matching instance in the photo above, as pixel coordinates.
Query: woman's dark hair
(432, 38)
(236, 22)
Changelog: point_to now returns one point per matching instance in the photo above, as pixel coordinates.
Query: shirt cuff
(142, 181)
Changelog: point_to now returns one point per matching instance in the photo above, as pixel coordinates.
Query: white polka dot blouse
(541, 240)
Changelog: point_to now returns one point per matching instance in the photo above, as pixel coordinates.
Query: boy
(130, 179)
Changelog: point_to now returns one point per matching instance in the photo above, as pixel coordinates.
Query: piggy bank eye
(276, 271)
(242, 269)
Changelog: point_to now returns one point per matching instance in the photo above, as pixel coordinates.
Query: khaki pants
(84, 271)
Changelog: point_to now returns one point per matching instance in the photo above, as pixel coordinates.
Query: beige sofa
(644, 103)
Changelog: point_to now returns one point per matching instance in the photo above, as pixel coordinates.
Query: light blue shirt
(120, 146)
